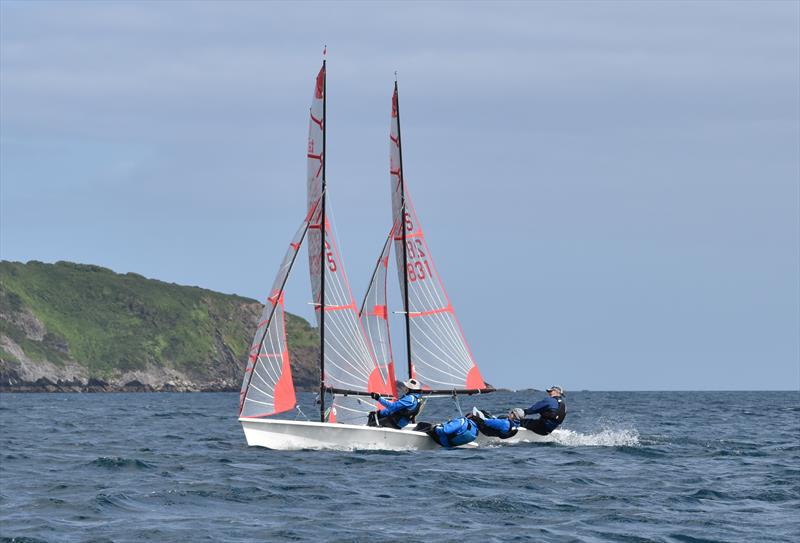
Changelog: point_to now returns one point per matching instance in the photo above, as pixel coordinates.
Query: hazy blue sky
(610, 190)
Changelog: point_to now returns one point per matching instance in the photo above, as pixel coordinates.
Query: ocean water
(627, 467)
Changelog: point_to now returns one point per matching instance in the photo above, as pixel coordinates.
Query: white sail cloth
(440, 357)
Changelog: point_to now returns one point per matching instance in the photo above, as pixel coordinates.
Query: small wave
(604, 438)
(706, 494)
(120, 501)
(120, 463)
(492, 504)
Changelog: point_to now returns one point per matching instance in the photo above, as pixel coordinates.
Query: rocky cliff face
(73, 327)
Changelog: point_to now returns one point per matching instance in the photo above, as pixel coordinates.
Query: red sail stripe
(417, 234)
(340, 307)
(380, 311)
(448, 309)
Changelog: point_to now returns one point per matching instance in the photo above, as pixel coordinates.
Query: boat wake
(604, 438)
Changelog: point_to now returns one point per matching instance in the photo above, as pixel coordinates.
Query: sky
(610, 190)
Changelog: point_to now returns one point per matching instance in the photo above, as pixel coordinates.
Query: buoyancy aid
(556, 415)
(453, 435)
(402, 417)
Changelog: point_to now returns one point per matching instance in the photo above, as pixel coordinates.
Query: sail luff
(323, 229)
(396, 115)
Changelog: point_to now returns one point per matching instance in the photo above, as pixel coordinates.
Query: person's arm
(384, 402)
(393, 407)
(538, 406)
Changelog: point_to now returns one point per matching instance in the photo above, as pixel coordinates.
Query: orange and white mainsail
(349, 365)
(438, 353)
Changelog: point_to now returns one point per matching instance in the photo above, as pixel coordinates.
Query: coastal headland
(68, 327)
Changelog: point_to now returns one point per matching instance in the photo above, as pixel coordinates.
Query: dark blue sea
(628, 467)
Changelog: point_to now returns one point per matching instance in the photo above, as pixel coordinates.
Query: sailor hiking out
(504, 426)
(452, 433)
(552, 411)
(399, 413)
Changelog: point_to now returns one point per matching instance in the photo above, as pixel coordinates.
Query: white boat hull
(292, 435)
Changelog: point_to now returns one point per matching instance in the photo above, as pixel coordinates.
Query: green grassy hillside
(113, 323)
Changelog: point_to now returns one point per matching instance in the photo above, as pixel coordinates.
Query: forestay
(349, 363)
(440, 357)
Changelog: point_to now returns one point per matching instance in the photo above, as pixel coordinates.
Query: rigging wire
(458, 404)
(300, 411)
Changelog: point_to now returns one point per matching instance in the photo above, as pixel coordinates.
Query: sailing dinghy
(355, 346)
(437, 354)
(349, 371)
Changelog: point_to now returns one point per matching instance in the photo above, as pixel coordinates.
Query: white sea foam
(609, 437)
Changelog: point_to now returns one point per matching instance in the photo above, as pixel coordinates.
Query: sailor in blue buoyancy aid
(399, 413)
(551, 410)
(452, 433)
(504, 426)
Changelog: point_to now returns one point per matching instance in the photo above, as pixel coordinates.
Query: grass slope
(113, 322)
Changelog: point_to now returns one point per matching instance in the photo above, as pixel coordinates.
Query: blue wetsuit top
(548, 410)
(403, 409)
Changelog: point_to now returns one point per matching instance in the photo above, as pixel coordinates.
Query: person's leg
(372, 419)
(387, 422)
(536, 426)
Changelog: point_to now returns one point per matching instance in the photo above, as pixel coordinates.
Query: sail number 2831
(419, 268)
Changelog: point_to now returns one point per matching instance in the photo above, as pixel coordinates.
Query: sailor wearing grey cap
(397, 414)
(551, 411)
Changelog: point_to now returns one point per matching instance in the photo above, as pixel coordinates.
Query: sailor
(504, 426)
(397, 414)
(551, 411)
(452, 433)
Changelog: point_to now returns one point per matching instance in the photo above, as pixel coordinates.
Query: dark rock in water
(95, 382)
(136, 386)
(44, 382)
